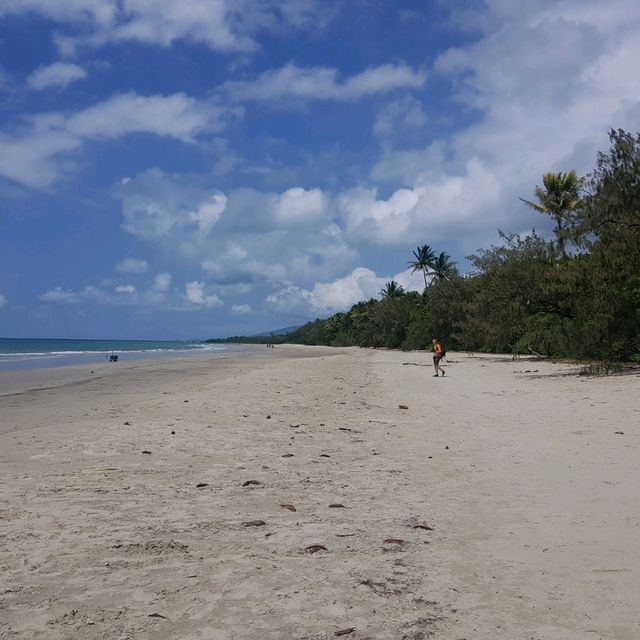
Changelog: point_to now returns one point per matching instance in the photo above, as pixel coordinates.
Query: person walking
(438, 352)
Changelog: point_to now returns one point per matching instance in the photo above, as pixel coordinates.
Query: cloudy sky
(212, 167)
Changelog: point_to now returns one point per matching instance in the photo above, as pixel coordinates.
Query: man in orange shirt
(438, 352)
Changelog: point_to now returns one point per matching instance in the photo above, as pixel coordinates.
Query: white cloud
(339, 295)
(3, 301)
(241, 309)
(67, 296)
(298, 205)
(157, 296)
(208, 213)
(404, 114)
(195, 293)
(176, 116)
(257, 236)
(132, 265)
(322, 83)
(162, 282)
(38, 154)
(222, 25)
(443, 205)
(58, 294)
(545, 81)
(100, 12)
(125, 288)
(169, 210)
(58, 74)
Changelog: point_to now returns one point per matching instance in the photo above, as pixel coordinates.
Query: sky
(204, 168)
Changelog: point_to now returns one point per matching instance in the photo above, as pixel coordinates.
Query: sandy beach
(284, 494)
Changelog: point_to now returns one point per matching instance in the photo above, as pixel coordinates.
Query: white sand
(532, 496)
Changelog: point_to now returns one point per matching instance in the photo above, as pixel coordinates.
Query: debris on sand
(336, 505)
(157, 615)
(403, 407)
(152, 547)
(200, 485)
(147, 452)
(393, 541)
(250, 482)
(314, 548)
(325, 455)
(127, 423)
(379, 588)
(289, 507)
(254, 523)
(344, 632)
(287, 455)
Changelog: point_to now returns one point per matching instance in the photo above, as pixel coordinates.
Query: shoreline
(29, 361)
(155, 504)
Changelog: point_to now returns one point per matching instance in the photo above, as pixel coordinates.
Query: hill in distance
(277, 332)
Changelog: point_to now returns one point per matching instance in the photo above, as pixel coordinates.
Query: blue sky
(216, 167)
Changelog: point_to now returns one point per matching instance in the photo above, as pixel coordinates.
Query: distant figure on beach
(438, 352)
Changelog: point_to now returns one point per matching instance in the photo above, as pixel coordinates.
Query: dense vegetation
(576, 296)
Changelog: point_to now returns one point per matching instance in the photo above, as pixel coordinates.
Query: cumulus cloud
(533, 113)
(195, 293)
(164, 208)
(68, 296)
(162, 282)
(298, 205)
(322, 83)
(39, 152)
(241, 309)
(59, 74)
(157, 205)
(251, 236)
(399, 115)
(159, 295)
(440, 207)
(57, 294)
(222, 25)
(331, 297)
(132, 265)
(125, 288)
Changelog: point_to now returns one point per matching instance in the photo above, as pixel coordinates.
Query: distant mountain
(277, 332)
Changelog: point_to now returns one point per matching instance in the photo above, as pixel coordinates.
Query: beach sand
(156, 499)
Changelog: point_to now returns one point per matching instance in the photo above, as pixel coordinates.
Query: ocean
(29, 353)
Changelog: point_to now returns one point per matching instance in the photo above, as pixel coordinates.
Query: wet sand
(284, 494)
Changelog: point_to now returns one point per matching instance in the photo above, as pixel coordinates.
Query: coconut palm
(392, 290)
(424, 257)
(560, 199)
(443, 267)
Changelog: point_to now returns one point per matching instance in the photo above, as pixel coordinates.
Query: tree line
(575, 296)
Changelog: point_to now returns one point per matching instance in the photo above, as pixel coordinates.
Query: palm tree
(392, 290)
(443, 267)
(424, 258)
(559, 199)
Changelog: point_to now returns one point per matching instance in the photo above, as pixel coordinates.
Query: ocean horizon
(28, 353)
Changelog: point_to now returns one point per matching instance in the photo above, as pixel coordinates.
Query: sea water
(27, 353)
